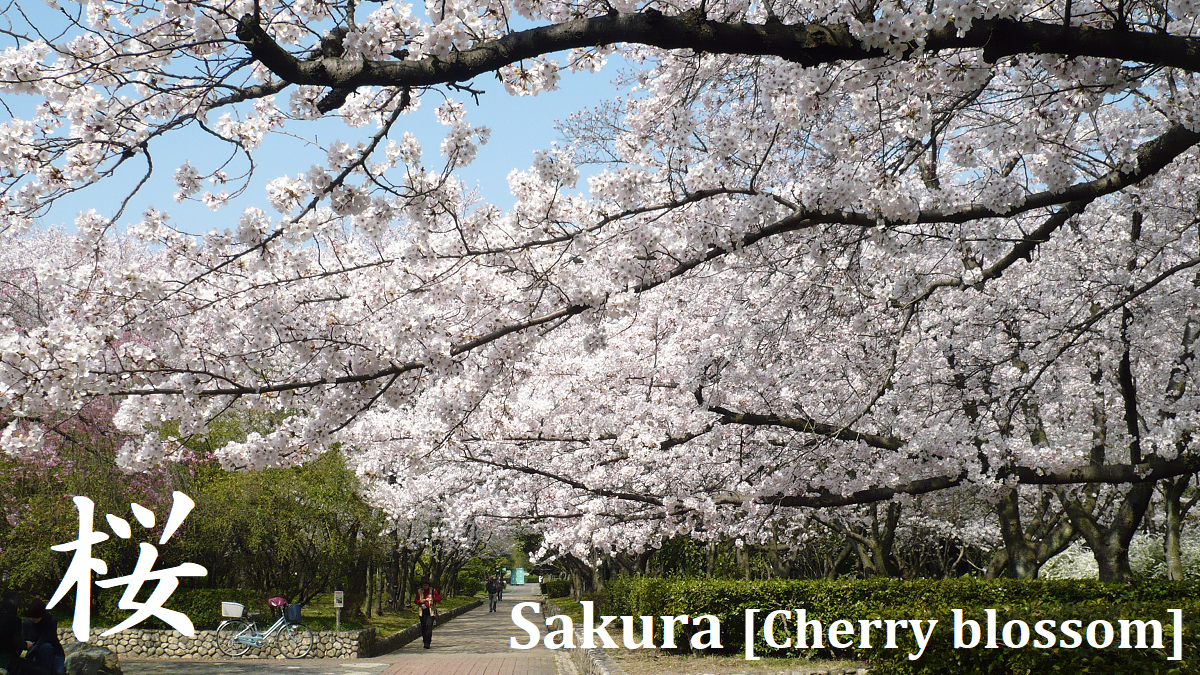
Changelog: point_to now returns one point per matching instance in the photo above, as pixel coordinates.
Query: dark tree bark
(873, 543)
(1110, 543)
(1176, 510)
(808, 44)
(1025, 551)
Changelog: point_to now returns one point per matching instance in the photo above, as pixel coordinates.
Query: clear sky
(520, 125)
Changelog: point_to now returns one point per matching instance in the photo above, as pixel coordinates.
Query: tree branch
(808, 44)
(805, 425)
(1146, 472)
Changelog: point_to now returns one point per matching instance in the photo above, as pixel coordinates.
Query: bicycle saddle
(276, 603)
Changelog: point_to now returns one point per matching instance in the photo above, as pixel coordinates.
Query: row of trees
(834, 256)
(925, 538)
(295, 532)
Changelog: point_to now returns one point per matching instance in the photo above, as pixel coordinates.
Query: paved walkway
(475, 643)
(253, 667)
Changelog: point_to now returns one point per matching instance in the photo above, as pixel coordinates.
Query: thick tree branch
(806, 425)
(1150, 471)
(807, 44)
(1154, 469)
(578, 485)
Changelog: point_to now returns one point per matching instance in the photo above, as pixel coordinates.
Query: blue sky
(520, 125)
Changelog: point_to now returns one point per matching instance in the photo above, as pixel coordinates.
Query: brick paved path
(475, 643)
(253, 667)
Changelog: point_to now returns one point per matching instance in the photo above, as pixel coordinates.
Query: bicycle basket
(292, 612)
(232, 610)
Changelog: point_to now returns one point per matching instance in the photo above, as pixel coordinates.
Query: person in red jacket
(426, 601)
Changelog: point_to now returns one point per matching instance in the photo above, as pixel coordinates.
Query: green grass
(319, 615)
(570, 607)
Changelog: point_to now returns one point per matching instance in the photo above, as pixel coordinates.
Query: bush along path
(600, 661)
(1017, 601)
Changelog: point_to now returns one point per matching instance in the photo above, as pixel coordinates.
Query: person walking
(426, 601)
(493, 591)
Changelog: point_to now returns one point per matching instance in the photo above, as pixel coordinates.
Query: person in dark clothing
(11, 644)
(426, 601)
(493, 591)
(40, 631)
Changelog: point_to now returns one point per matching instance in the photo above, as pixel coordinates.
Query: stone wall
(586, 661)
(150, 644)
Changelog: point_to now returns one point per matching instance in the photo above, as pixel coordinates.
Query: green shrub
(827, 601)
(557, 588)
(941, 657)
(201, 605)
(469, 582)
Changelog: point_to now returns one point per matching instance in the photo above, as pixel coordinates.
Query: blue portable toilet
(518, 576)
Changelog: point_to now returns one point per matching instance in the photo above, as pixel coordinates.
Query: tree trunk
(885, 562)
(742, 555)
(370, 606)
(1024, 554)
(840, 560)
(598, 576)
(380, 590)
(393, 572)
(1113, 561)
(355, 579)
(997, 565)
(1176, 512)
(576, 584)
(1020, 558)
(408, 568)
(643, 561)
(1110, 543)
(581, 575)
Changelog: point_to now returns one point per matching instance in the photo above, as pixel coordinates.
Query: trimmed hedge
(201, 605)
(827, 601)
(941, 657)
(557, 588)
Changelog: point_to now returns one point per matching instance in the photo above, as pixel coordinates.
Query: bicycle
(235, 635)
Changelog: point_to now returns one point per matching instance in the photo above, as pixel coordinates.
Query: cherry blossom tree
(834, 253)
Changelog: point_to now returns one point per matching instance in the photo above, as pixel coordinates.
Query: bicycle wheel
(227, 638)
(295, 641)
